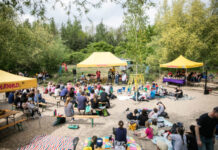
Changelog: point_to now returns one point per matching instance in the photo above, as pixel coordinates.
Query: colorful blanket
(108, 145)
(49, 143)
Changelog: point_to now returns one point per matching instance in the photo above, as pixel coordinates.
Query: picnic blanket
(108, 145)
(165, 140)
(166, 122)
(122, 97)
(49, 143)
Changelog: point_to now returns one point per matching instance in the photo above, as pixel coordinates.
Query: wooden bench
(18, 123)
(43, 106)
(92, 117)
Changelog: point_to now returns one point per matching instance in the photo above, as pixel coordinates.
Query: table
(9, 113)
(177, 81)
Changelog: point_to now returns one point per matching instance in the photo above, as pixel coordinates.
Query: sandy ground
(186, 111)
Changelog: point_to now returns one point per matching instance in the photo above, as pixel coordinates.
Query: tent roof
(182, 62)
(102, 59)
(12, 82)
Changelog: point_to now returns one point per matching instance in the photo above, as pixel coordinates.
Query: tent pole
(186, 77)
(135, 82)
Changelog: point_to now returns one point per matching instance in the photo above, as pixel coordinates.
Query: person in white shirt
(161, 108)
(107, 89)
(153, 114)
(57, 91)
(124, 78)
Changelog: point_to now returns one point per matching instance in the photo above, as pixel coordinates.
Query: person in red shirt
(98, 75)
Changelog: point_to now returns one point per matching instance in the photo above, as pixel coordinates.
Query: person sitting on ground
(180, 142)
(154, 127)
(161, 108)
(178, 93)
(120, 135)
(152, 94)
(63, 93)
(205, 130)
(105, 98)
(93, 143)
(153, 114)
(142, 118)
(133, 116)
(68, 108)
(81, 101)
(147, 133)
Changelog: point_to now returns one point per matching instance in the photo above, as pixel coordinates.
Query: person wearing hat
(205, 130)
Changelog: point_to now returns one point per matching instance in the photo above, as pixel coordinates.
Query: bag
(73, 126)
(88, 108)
(99, 142)
(133, 126)
(105, 113)
(59, 120)
(130, 116)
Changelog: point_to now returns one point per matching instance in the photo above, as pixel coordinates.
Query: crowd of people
(149, 92)
(200, 137)
(26, 100)
(81, 96)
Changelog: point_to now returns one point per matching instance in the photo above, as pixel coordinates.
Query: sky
(110, 13)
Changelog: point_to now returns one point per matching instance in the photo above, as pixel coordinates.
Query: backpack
(133, 126)
(130, 116)
(105, 112)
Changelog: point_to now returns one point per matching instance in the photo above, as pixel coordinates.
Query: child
(148, 132)
(180, 142)
(93, 142)
(154, 127)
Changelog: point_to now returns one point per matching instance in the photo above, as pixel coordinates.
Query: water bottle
(55, 112)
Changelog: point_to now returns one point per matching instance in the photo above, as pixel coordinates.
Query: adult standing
(124, 78)
(205, 130)
(98, 75)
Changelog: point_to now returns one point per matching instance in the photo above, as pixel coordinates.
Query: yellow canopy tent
(12, 82)
(181, 62)
(101, 59)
